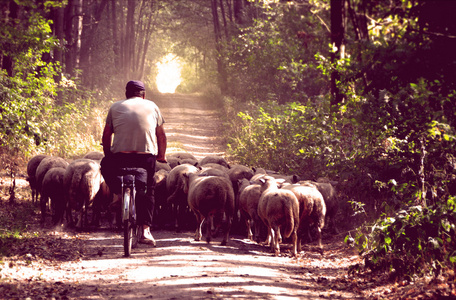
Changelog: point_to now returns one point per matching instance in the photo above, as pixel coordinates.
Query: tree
(337, 40)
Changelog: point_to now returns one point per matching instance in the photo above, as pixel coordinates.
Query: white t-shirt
(133, 122)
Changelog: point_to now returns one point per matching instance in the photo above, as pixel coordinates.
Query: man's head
(135, 88)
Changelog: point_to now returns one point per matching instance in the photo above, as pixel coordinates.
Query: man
(139, 141)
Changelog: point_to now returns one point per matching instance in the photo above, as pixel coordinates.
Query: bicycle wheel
(133, 224)
(126, 220)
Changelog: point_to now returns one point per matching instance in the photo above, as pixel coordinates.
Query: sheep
(259, 171)
(213, 172)
(214, 159)
(182, 155)
(279, 209)
(279, 177)
(162, 166)
(249, 196)
(52, 188)
(177, 199)
(236, 173)
(94, 155)
(45, 165)
(173, 161)
(162, 208)
(210, 198)
(82, 181)
(104, 202)
(329, 193)
(312, 209)
(189, 161)
(214, 166)
(32, 165)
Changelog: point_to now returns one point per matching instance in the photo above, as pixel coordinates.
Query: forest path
(191, 123)
(91, 265)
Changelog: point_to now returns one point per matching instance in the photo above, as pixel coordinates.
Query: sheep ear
(295, 178)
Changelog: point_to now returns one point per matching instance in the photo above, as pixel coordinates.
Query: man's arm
(106, 140)
(161, 143)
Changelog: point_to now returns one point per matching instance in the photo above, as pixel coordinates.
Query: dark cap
(134, 86)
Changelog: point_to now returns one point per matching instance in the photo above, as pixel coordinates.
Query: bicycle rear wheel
(128, 226)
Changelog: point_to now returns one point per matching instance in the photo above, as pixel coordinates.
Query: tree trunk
(115, 34)
(130, 38)
(7, 61)
(337, 38)
(147, 33)
(218, 46)
(73, 15)
(238, 8)
(89, 33)
(222, 10)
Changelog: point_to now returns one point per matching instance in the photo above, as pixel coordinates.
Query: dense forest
(362, 92)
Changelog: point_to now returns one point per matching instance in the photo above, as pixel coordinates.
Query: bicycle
(130, 227)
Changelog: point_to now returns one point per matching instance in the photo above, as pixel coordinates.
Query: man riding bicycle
(139, 141)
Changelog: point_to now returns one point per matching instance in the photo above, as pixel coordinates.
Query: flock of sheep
(215, 192)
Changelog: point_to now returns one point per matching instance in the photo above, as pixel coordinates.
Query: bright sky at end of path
(169, 74)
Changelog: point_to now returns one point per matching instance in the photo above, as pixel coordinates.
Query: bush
(414, 241)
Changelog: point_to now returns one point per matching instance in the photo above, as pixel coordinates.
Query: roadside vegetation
(375, 112)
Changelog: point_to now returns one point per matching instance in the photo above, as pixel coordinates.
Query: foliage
(416, 240)
(289, 138)
(273, 58)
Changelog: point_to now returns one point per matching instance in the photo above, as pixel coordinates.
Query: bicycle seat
(128, 175)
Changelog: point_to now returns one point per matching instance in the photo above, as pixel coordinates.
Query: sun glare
(169, 74)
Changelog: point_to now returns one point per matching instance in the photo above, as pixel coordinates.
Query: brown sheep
(177, 199)
(279, 210)
(45, 165)
(162, 210)
(211, 198)
(32, 165)
(236, 174)
(52, 188)
(103, 202)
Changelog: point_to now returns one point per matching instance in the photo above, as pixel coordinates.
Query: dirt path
(179, 267)
(191, 124)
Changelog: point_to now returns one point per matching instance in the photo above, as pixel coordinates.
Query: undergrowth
(414, 241)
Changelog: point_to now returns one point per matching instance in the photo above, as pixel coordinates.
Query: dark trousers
(145, 200)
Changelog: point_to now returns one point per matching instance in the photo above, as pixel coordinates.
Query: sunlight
(169, 74)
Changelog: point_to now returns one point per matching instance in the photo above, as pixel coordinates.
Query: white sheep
(82, 180)
(215, 159)
(249, 196)
(312, 209)
(329, 193)
(279, 210)
(94, 155)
